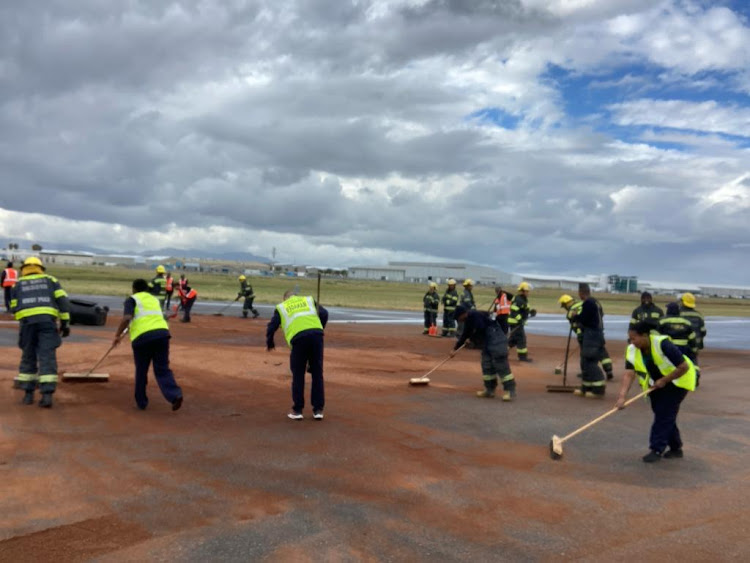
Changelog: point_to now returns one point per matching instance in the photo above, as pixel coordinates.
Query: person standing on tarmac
(658, 363)
(647, 311)
(501, 307)
(689, 312)
(149, 336)
(573, 309)
(168, 290)
(158, 285)
(488, 335)
(8, 279)
(37, 300)
(246, 291)
(467, 300)
(681, 334)
(519, 314)
(593, 384)
(303, 322)
(431, 302)
(450, 300)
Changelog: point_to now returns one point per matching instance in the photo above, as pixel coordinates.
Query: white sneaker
(295, 415)
(318, 415)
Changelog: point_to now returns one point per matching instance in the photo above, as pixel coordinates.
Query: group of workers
(662, 352)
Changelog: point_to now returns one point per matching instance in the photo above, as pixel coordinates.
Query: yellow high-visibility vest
(147, 316)
(297, 314)
(665, 366)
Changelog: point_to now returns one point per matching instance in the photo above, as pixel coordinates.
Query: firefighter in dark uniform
(450, 301)
(485, 333)
(658, 363)
(647, 312)
(467, 300)
(158, 285)
(302, 321)
(593, 384)
(689, 312)
(149, 336)
(681, 334)
(246, 291)
(573, 309)
(519, 314)
(431, 303)
(37, 301)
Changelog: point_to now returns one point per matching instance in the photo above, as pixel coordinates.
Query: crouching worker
(149, 334)
(658, 363)
(37, 301)
(302, 321)
(488, 335)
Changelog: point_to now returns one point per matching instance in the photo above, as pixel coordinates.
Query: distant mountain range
(174, 252)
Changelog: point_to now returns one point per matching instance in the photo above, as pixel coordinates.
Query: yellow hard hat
(564, 300)
(33, 261)
(688, 299)
(524, 286)
(451, 282)
(160, 269)
(242, 277)
(433, 285)
(468, 281)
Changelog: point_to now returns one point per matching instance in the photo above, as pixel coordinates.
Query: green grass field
(102, 280)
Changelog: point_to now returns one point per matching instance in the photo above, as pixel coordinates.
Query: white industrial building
(439, 272)
(538, 281)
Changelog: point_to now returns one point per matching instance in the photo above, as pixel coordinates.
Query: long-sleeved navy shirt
(475, 324)
(275, 323)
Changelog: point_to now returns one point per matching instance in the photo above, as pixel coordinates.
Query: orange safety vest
(502, 305)
(11, 277)
(168, 285)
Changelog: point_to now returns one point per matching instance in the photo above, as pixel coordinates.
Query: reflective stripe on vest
(635, 357)
(11, 277)
(502, 306)
(147, 316)
(298, 314)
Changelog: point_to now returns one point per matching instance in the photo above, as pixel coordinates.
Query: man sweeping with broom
(149, 334)
(488, 335)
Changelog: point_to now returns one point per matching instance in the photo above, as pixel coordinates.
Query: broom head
(555, 448)
(419, 381)
(86, 377)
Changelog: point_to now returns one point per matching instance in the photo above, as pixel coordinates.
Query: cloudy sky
(545, 136)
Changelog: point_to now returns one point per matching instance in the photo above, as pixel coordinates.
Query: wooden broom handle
(606, 414)
(445, 360)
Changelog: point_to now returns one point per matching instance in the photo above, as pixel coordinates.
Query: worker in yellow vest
(149, 336)
(658, 363)
(302, 321)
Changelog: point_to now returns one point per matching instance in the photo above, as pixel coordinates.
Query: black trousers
(38, 343)
(665, 403)
(156, 351)
(7, 298)
(307, 348)
(449, 323)
(187, 307)
(168, 299)
(430, 318)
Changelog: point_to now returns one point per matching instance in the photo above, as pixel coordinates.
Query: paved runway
(723, 332)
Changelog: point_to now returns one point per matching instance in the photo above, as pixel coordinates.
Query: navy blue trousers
(307, 349)
(156, 351)
(666, 404)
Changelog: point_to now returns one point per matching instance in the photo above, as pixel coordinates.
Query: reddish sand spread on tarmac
(393, 473)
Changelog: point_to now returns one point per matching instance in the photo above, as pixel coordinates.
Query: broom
(424, 380)
(89, 376)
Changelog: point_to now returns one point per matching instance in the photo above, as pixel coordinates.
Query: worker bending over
(488, 335)
(450, 301)
(37, 300)
(431, 302)
(188, 295)
(658, 363)
(302, 321)
(519, 314)
(149, 336)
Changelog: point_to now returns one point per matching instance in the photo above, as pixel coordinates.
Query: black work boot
(46, 402)
(256, 314)
(28, 398)
(244, 314)
(524, 358)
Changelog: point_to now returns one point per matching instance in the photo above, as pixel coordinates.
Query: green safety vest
(665, 366)
(298, 314)
(148, 315)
